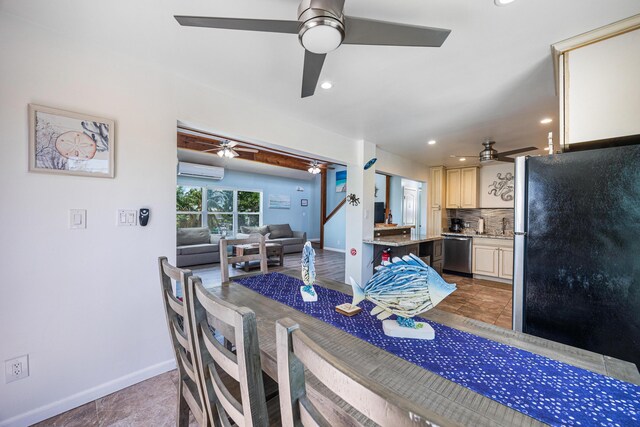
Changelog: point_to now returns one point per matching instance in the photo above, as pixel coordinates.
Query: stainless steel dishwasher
(457, 254)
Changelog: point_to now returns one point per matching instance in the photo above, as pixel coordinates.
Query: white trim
(317, 239)
(52, 409)
(327, 249)
(615, 29)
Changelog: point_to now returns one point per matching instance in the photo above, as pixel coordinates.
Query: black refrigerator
(577, 249)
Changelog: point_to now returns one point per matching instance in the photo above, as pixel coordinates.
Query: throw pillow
(251, 230)
(192, 236)
(280, 231)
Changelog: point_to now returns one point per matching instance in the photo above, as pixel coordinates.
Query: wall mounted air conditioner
(200, 171)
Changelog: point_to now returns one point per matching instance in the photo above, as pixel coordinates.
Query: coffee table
(273, 250)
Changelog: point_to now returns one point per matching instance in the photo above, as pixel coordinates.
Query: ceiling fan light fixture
(321, 35)
(314, 168)
(489, 153)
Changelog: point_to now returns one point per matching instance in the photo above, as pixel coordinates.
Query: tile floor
(153, 402)
(149, 403)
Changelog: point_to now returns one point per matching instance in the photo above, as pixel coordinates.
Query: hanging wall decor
(353, 200)
(63, 142)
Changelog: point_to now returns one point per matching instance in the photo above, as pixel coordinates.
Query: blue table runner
(550, 391)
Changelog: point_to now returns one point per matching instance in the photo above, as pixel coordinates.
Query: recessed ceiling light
(546, 121)
(432, 142)
(462, 159)
(502, 2)
(326, 85)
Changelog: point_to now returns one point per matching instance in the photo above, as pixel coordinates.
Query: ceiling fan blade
(506, 159)
(212, 149)
(518, 151)
(373, 32)
(248, 150)
(267, 25)
(312, 67)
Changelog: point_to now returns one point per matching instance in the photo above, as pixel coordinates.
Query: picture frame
(341, 181)
(69, 143)
(277, 201)
(304, 202)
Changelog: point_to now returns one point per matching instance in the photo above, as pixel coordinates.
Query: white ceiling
(493, 77)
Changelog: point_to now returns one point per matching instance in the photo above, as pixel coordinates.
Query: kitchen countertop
(483, 236)
(401, 240)
(394, 227)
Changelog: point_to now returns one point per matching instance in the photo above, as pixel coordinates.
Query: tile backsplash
(492, 219)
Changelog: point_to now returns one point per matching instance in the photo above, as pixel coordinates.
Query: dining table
(425, 390)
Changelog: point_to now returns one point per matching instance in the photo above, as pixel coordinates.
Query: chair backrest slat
(223, 357)
(226, 259)
(296, 351)
(231, 406)
(238, 325)
(190, 396)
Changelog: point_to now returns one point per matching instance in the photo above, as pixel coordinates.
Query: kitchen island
(428, 248)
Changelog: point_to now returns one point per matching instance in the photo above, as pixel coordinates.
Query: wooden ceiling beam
(200, 143)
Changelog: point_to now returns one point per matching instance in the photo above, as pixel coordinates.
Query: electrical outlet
(16, 369)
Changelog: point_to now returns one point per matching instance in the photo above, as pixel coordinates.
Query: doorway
(410, 206)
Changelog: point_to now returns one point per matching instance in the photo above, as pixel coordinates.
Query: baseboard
(493, 279)
(334, 249)
(86, 396)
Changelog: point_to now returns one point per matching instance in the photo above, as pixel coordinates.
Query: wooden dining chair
(296, 351)
(226, 258)
(190, 396)
(233, 385)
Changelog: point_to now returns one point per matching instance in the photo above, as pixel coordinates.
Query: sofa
(291, 241)
(196, 246)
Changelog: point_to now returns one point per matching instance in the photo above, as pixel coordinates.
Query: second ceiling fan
(322, 27)
(490, 154)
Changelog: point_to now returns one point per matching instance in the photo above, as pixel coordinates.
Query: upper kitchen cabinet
(462, 188)
(437, 192)
(597, 80)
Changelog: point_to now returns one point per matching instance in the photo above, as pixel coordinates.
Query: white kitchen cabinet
(493, 258)
(436, 200)
(485, 260)
(462, 188)
(506, 263)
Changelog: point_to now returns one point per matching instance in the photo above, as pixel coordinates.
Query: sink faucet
(504, 225)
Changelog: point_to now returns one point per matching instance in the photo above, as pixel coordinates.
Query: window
(188, 207)
(222, 210)
(248, 208)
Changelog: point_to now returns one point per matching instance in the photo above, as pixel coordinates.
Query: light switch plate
(127, 217)
(77, 218)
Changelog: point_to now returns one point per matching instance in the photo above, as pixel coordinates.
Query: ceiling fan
(229, 149)
(489, 153)
(322, 27)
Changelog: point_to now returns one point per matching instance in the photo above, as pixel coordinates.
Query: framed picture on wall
(304, 202)
(63, 142)
(341, 181)
(277, 201)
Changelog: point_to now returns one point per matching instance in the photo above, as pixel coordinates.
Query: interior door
(409, 206)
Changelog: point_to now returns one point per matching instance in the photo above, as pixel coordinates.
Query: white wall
(496, 173)
(604, 90)
(84, 304)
